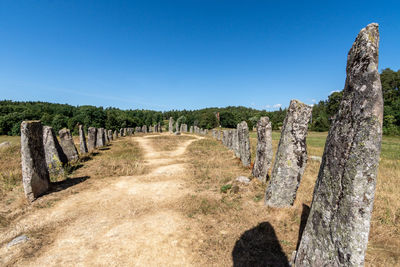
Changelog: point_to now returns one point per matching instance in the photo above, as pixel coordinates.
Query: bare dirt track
(128, 220)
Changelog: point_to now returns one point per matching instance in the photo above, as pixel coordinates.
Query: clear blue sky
(185, 54)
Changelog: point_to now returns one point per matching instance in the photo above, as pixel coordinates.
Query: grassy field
(233, 220)
(236, 225)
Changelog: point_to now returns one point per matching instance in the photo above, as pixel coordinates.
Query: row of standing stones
(337, 228)
(175, 127)
(43, 155)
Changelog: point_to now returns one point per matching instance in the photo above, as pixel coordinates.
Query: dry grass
(229, 219)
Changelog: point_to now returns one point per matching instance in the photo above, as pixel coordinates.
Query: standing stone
(92, 138)
(264, 149)
(67, 144)
(177, 126)
(191, 129)
(244, 143)
(213, 133)
(171, 125)
(159, 127)
(230, 139)
(235, 143)
(225, 137)
(144, 129)
(35, 176)
(106, 136)
(82, 140)
(291, 157)
(219, 135)
(100, 142)
(336, 232)
(115, 135)
(55, 157)
(110, 135)
(124, 132)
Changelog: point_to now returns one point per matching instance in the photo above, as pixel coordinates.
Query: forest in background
(12, 113)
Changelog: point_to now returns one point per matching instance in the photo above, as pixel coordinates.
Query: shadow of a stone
(62, 185)
(259, 246)
(304, 216)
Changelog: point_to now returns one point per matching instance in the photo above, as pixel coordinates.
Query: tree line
(12, 113)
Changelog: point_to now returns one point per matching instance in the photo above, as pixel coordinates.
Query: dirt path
(130, 221)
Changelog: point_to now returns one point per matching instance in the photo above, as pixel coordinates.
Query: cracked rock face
(55, 157)
(67, 145)
(264, 149)
(35, 176)
(291, 157)
(244, 143)
(336, 233)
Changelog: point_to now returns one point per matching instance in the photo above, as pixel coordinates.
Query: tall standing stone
(115, 135)
(35, 176)
(125, 132)
(100, 142)
(110, 135)
(291, 157)
(225, 137)
(67, 144)
(92, 138)
(144, 128)
(263, 159)
(244, 143)
(171, 125)
(235, 143)
(55, 157)
(82, 140)
(336, 233)
(159, 127)
(177, 126)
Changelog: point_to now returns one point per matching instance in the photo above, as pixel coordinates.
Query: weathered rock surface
(243, 179)
(244, 143)
(110, 135)
(159, 127)
(67, 144)
(235, 143)
(225, 134)
(82, 140)
(171, 125)
(291, 157)
(100, 139)
(191, 129)
(264, 152)
(54, 154)
(144, 128)
(92, 138)
(336, 233)
(35, 176)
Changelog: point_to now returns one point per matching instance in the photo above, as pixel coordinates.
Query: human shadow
(64, 184)
(304, 216)
(259, 246)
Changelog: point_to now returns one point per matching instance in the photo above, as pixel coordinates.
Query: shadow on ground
(62, 185)
(259, 246)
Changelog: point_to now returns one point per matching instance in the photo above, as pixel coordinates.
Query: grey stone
(177, 126)
(235, 143)
(17, 240)
(35, 176)
(225, 134)
(115, 135)
(110, 135)
(54, 154)
(191, 129)
(82, 140)
(159, 127)
(100, 138)
(264, 152)
(337, 228)
(121, 132)
(92, 138)
(144, 128)
(106, 136)
(244, 143)
(291, 157)
(5, 144)
(171, 125)
(125, 132)
(243, 179)
(67, 144)
(177, 133)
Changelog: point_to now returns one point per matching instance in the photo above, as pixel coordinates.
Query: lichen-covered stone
(92, 138)
(264, 152)
(225, 134)
(235, 143)
(67, 144)
(35, 176)
(336, 232)
(55, 157)
(110, 135)
(244, 143)
(82, 140)
(171, 125)
(291, 157)
(100, 140)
